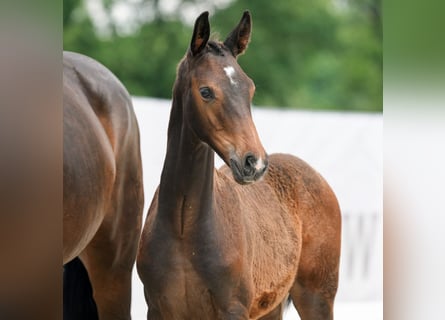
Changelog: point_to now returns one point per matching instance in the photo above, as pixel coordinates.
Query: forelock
(215, 47)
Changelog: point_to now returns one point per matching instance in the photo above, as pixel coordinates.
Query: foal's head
(216, 95)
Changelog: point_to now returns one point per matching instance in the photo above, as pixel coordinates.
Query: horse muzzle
(248, 169)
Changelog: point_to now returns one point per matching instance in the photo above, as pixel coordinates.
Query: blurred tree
(78, 31)
(146, 61)
(319, 54)
(312, 54)
(286, 37)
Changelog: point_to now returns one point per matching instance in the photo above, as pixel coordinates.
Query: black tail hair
(78, 301)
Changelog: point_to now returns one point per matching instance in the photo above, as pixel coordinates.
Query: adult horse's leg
(110, 257)
(109, 263)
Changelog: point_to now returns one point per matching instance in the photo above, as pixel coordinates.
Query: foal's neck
(186, 188)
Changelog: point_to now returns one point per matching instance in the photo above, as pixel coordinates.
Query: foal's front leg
(234, 315)
(232, 310)
(275, 314)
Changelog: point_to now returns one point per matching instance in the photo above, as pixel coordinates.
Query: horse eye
(206, 93)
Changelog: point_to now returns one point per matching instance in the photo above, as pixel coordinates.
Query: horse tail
(78, 301)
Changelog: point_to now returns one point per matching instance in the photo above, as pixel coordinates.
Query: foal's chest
(181, 291)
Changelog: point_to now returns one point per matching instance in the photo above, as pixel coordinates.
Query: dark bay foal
(226, 244)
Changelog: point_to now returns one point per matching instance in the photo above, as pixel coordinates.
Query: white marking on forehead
(230, 72)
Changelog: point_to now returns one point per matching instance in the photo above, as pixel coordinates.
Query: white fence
(346, 148)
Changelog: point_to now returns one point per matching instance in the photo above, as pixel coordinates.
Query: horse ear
(201, 33)
(239, 38)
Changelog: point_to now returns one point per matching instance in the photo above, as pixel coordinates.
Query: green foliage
(308, 54)
(78, 31)
(146, 62)
(303, 54)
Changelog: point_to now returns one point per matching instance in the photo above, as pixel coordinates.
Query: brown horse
(215, 244)
(102, 191)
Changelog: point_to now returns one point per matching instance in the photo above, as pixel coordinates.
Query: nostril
(250, 160)
(249, 165)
